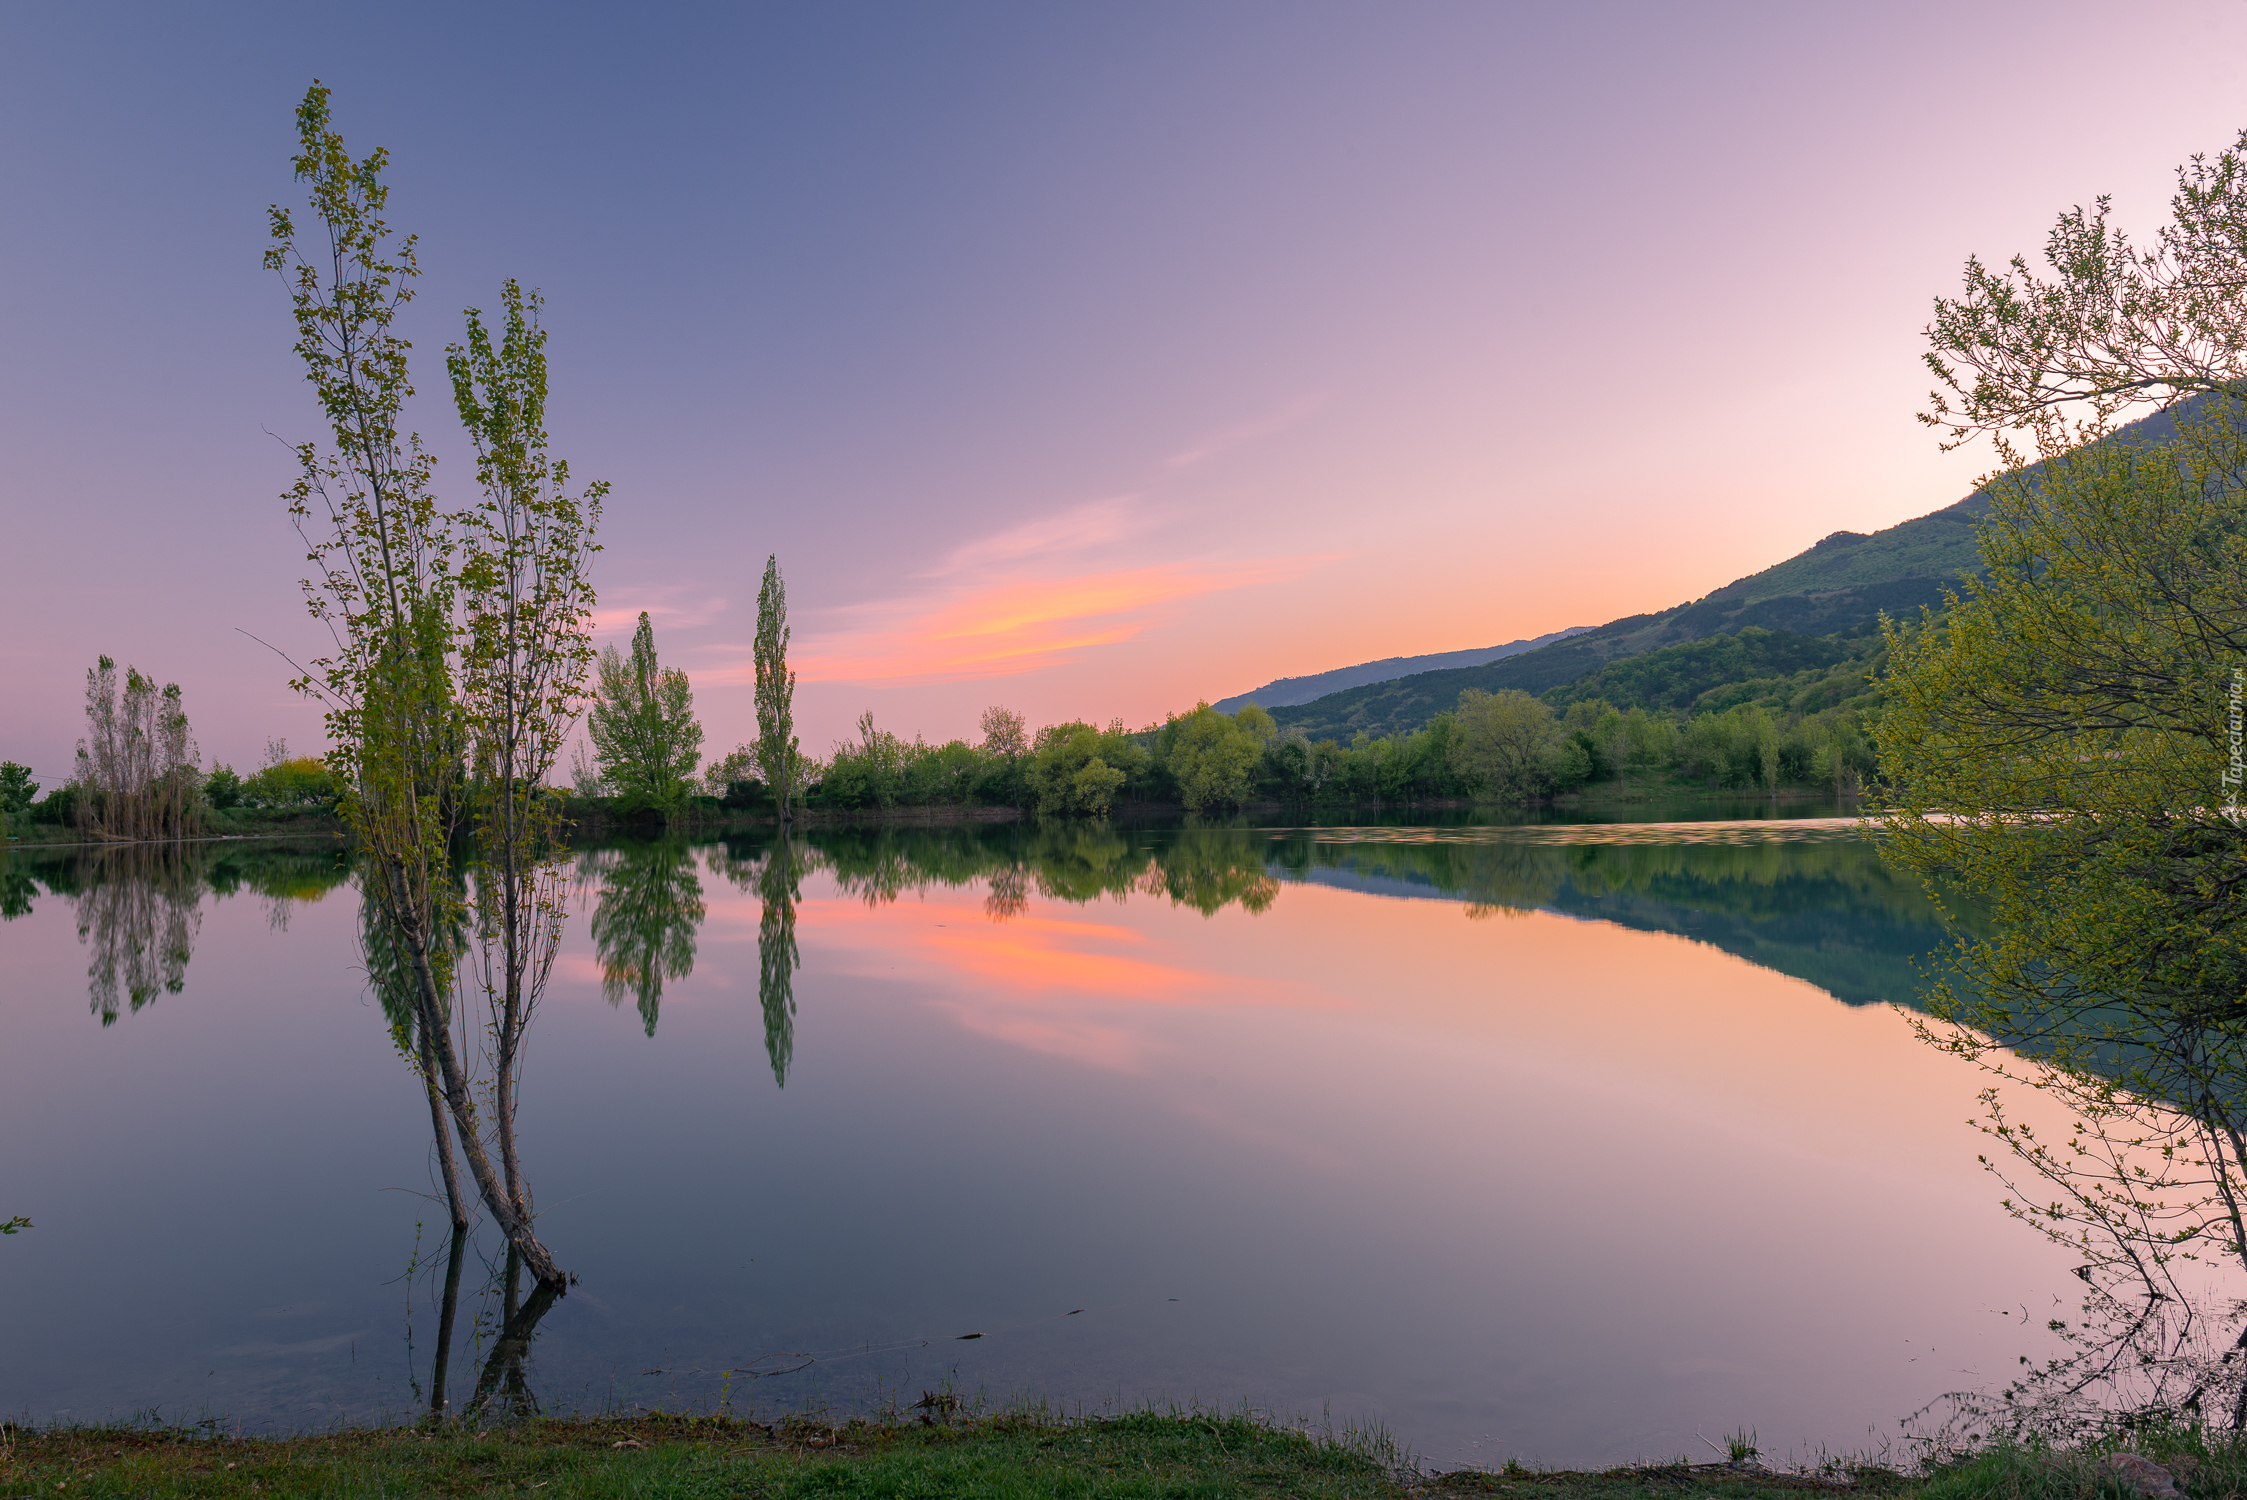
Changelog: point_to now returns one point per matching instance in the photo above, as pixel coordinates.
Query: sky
(1090, 360)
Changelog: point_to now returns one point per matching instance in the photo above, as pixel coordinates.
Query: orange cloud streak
(1017, 625)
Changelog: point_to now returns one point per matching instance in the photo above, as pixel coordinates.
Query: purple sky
(1091, 360)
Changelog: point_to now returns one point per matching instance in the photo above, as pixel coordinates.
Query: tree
(737, 765)
(2063, 746)
(777, 751)
(1213, 757)
(1004, 733)
(645, 735)
(2058, 356)
(1499, 741)
(17, 791)
(137, 767)
(1074, 770)
(387, 585)
(527, 604)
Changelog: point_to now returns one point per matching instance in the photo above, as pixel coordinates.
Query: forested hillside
(1836, 589)
(1287, 690)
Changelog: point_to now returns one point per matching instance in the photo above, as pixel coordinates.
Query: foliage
(1212, 757)
(2057, 356)
(284, 780)
(17, 790)
(137, 766)
(2065, 746)
(222, 789)
(645, 921)
(644, 732)
(1504, 742)
(456, 638)
(1076, 768)
(1678, 677)
(778, 754)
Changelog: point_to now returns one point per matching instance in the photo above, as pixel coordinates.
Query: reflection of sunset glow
(1050, 984)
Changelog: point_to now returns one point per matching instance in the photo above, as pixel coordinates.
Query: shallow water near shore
(1573, 1141)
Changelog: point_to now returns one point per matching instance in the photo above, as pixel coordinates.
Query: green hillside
(1840, 587)
(1837, 588)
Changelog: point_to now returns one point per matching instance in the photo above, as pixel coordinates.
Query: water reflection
(503, 1382)
(644, 924)
(1806, 898)
(777, 957)
(139, 906)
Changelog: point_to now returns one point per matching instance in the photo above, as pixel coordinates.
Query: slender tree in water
(409, 595)
(528, 611)
(776, 691)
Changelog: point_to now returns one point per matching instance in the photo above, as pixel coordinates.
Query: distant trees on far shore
(1505, 747)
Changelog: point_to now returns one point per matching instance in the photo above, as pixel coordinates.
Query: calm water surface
(1571, 1142)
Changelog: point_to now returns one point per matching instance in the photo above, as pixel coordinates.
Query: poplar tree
(643, 728)
(777, 751)
(526, 649)
(405, 591)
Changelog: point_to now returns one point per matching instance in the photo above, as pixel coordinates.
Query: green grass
(1191, 1455)
(1187, 1454)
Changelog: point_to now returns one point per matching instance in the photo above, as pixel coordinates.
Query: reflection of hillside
(1810, 900)
(1826, 911)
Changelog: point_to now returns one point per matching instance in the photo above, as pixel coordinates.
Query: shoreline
(591, 821)
(1030, 1450)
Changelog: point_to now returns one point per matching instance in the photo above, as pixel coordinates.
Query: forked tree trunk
(460, 1101)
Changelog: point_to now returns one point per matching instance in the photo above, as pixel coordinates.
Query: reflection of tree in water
(777, 958)
(139, 906)
(17, 889)
(503, 1381)
(775, 874)
(1210, 869)
(1206, 867)
(644, 925)
(139, 913)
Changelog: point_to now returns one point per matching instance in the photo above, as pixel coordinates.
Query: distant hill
(1291, 690)
(1840, 586)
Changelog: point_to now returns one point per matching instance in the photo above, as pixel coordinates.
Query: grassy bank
(1183, 1454)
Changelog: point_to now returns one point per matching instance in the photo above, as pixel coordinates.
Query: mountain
(1284, 691)
(1839, 587)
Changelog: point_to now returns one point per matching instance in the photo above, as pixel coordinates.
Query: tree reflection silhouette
(138, 913)
(504, 1380)
(390, 975)
(644, 925)
(777, 958)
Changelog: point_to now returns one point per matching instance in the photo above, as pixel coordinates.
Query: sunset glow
(1116, 358)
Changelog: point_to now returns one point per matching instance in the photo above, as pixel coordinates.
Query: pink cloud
(1004, 627)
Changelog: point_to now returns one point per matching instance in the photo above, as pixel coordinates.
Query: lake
(1573, 1142)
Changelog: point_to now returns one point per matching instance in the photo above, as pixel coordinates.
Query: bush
(300, 781)
(57, 808)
